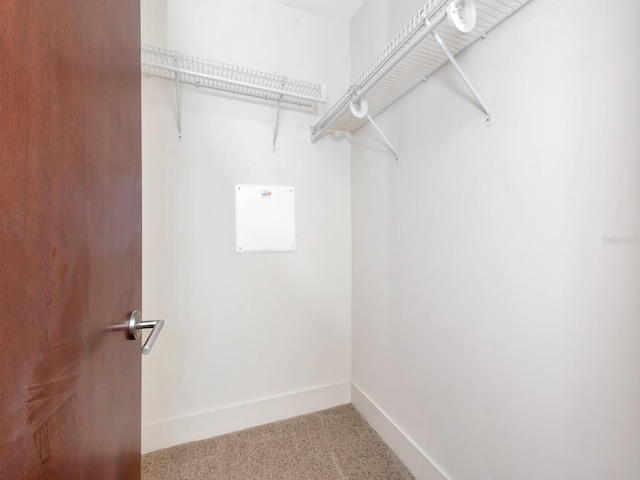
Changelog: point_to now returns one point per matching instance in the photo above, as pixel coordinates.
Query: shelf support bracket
(464, 77)
(277, 121)
(384, 137)
(361, 110)
(178, 102)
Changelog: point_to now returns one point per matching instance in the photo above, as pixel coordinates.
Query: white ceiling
(342, 10)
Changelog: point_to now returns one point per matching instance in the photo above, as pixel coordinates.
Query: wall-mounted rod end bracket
(487, 120)
(462, 15)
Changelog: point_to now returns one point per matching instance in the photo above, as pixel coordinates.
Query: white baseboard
(415, 459)
(237, 417)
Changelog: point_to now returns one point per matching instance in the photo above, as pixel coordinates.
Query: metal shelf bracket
(464, 77)
(277, 120)
(361, 110)
(178, 103)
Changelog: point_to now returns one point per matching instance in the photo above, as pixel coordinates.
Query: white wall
(491, 323)
(250, 338)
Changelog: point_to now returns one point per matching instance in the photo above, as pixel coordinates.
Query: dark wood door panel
(70, 239)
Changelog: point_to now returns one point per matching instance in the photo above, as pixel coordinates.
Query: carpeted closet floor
(335, 444)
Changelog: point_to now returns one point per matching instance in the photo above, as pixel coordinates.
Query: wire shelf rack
(409, 59)
(201, 72)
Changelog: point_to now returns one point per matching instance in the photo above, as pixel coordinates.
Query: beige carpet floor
(335, 444)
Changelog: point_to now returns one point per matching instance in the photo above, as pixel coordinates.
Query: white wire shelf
(409, 59)
(201, 72)
(232, 79)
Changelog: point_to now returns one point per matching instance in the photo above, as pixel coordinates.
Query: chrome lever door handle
(135, 324)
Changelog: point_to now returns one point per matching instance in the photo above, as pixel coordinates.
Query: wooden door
(70, 239)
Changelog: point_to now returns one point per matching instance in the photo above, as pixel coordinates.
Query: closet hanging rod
(237, 83)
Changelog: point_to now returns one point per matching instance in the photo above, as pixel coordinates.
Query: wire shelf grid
(201, 72)
(416, 62)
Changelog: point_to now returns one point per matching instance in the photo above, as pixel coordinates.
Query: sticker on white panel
(265, 219)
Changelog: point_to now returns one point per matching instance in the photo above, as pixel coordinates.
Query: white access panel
(265, 218)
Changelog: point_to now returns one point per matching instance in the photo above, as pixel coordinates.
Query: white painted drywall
(491, 322)
(269, 329)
